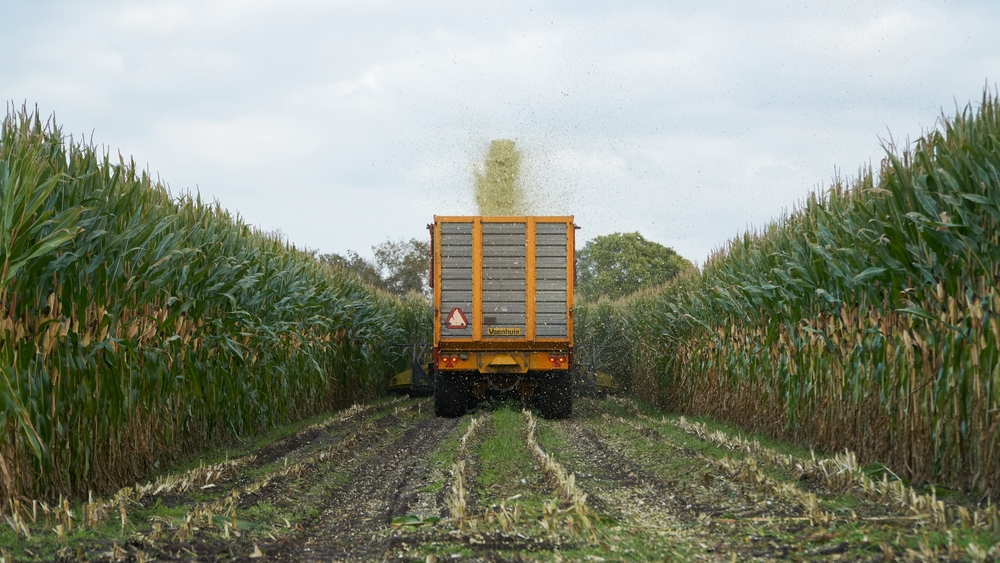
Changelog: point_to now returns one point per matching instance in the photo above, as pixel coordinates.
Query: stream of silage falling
(498, 187)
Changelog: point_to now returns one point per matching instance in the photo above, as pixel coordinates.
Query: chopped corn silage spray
(498, 183)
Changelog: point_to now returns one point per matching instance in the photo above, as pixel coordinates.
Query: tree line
(399, 267)
(608, 266)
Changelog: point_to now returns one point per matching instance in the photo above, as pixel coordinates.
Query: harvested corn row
(456, 500)
(561, 480)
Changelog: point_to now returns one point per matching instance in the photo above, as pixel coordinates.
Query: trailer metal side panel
(455, 276)
(511, 277)
(503, 271)
(551, 253)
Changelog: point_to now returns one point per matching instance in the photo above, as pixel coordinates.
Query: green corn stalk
(868, 319)
(135, 325)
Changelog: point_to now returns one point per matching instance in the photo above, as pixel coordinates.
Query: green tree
(620, 264)
(356, 264)
(405, 265)
(399, 267)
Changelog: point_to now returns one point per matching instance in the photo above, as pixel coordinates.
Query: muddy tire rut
(384, 486)
(685, 509)
(618, 487)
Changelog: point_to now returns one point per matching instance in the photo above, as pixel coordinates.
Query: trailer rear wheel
(554, 396)
(452, 394)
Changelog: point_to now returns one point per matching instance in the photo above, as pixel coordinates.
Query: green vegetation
(505, 468)
(136, 326)
(620, 264)
(356, 265)
(400, 267)
(656, 489)
(497, 186)
(407, 265)
(869, 319)
(287, 494)
(691, 466)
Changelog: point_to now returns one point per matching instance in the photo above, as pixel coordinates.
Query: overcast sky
(345, 123)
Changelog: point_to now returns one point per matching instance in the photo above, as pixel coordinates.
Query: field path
(618, 487)
(389, 481)
(386, 486)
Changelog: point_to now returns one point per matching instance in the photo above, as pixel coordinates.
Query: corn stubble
(867, 320)
(580, 519)
(135, 326)
(457, 499)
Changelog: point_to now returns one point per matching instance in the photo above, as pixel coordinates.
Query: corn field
(868, 319)
(136, 326)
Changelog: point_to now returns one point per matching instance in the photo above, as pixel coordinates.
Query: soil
(355, 515)
(372, 486)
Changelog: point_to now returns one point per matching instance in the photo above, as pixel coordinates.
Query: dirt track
(391, 482)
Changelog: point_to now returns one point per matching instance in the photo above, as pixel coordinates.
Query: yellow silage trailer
(503, 304)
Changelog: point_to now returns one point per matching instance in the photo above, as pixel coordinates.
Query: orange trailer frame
(492, 354)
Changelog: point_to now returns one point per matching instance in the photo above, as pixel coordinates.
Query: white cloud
(685, 122)
(246, 143)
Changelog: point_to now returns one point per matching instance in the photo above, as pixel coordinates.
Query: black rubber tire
(471, 402)
(452, 393)
(554, 396)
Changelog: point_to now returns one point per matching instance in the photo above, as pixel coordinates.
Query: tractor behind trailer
(503, 302)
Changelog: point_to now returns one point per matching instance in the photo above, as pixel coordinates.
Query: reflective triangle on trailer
(456, 319)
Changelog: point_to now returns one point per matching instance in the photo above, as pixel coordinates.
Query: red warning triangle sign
(456, 319)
